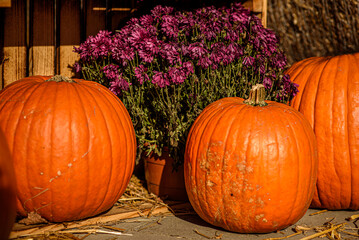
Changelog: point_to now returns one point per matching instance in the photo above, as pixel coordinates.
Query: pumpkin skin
(250, 169)
(73, 146)
(7, 190)
(329, 98)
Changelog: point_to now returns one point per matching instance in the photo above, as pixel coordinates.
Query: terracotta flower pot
(162, 180)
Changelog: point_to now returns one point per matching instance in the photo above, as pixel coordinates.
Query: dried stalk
(350, 233)
(323, 232)
(301, 228)
(92, 221)
(319, 212)
(93, 231)
(289, 236)
(353, 217)
(201, 234)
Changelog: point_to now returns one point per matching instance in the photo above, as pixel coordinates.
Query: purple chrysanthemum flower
(160, 79)
(158, 11)
(170, 53)
(232, 35)
(204, 62)
(186, 22)
(290, 89)
(267, 82)
(177, 75)
(224, 55)
(279, 61)
(170, 26)
(248, 61)
(100, 44)
(210, 22)
(138, 34)
(111, 72)
(77, 67)
(121, 51)
(117, 82)
(195, 50)
(218, 54)
(95, 47)
(148, 49)
(119, 85)
(188, 67)
(240, 14)
(235, 50)
(146, 20)
(141, 75)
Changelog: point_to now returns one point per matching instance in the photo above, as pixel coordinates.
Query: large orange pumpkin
(329, 98)
(7, 190)
(250, 169)
(73, 146)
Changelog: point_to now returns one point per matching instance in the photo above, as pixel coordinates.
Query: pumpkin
(7, 190)
(73, 146)
(250, 166)
(329, 98)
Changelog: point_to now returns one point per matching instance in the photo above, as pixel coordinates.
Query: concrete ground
(191, 226)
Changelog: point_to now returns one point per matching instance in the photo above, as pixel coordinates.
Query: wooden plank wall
(13, 59)
(29, 43)
(37, 36)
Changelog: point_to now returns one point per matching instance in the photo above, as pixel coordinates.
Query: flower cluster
(168, 65)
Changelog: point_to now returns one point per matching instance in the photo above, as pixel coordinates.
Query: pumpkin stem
(59, 78)
(257, 96)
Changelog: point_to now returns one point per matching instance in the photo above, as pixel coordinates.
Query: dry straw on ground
(329, 230)
(135, 202)
(309, 28)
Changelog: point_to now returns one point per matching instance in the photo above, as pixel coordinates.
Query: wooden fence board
(14, 42)
(42, 39)
(263, 14)
(69, 36)
(95, 17)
